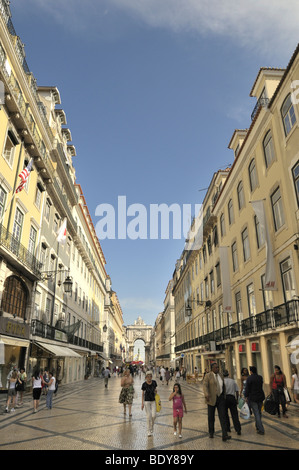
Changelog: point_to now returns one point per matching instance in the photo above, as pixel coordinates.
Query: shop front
(14, 347)
(66, 363)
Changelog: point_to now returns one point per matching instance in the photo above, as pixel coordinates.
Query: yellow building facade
(236, 298)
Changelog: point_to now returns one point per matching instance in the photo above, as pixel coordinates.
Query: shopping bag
(158, 402)
(287, 395)
(245, 411)
(241, 403)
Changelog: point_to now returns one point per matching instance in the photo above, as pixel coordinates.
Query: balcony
(278, 317)
(18, 254)
(39, 328)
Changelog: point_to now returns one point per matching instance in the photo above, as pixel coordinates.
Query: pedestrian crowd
(221, 392)
(43, 383)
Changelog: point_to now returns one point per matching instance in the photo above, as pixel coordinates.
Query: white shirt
(52, 386)
(37, 383)
(220, 381)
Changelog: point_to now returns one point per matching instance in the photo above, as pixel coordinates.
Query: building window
(235, 256)
(251, 300)
(38, 196)
(9, 148)
(260, 238)
(241, 197)
(222, 225)
(288, 115)
(2, 201)
(18, 224)
(212, 282)
(252, 175)
(47, 210)
(230, 212)
(32, 240)
(268, 149)
(295, 172)
(277, 209)
(246, 247)
(239, 306)
(218, 274)
(14, 299)
(43, 252)
(287, 279)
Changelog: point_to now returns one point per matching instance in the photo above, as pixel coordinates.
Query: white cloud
(262, 25)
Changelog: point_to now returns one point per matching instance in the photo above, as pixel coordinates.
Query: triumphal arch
(139, 331)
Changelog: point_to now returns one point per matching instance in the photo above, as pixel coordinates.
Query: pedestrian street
(87, 416)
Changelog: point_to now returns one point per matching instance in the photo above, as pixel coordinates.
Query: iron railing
(276, 317)
(12, 244)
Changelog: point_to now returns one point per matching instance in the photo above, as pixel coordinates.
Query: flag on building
(270, 275)
(61, 233)
(24, 175)
(225, 276)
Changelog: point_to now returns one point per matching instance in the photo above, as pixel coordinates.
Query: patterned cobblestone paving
(87, 416)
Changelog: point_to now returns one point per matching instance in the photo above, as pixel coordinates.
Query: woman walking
(127, 391)
(149, 390)
(178, 402)
(37, 382)
(51, 390)
(11, 394)
(278, 382)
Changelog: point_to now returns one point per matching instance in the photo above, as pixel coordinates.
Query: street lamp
(68, 282)
(188, 308)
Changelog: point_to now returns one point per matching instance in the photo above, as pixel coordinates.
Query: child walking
(178, 402)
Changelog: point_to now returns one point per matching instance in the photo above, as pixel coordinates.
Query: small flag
(61, 234)
(24, 176)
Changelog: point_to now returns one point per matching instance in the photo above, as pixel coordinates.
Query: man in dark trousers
(255, 396)
(231, 397)
(214, 392)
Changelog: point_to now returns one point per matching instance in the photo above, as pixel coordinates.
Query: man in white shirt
(214, 392)
(231, 397)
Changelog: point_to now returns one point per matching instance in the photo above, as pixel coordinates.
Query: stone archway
(138, 331)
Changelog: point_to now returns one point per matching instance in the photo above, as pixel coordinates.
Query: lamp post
(188, 308)
(67, 284)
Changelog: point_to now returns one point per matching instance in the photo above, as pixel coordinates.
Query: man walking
(106, 375)
(214, 392)
(255, 396)
(231, 399)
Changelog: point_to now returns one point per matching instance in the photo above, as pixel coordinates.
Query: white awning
(59, 351)
(11, 341)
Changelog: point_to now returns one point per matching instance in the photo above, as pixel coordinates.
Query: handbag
(158, 402)
(270, 405)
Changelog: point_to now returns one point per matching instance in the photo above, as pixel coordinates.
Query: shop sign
(13, 328)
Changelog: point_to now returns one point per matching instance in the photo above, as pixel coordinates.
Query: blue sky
(152, 91)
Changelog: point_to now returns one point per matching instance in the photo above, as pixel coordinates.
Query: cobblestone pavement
(87, 416)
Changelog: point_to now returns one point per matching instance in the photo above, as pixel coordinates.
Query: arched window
(14, 299)
(288, 114)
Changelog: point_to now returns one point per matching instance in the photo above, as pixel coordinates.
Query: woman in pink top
(178, 403)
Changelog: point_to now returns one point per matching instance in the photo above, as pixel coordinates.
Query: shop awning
(11, 341)
(59, 351)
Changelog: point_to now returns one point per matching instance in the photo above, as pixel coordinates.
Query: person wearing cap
(231, 400)
(214, 392)
(149, 390)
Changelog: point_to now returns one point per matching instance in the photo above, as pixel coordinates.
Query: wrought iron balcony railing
(19, 251)
(279, 316)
